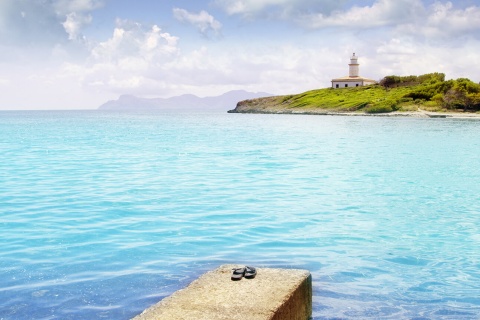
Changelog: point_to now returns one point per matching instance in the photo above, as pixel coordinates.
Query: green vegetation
(428, 92)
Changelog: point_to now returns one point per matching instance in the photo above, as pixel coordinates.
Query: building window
(346, 85)
(336, 86)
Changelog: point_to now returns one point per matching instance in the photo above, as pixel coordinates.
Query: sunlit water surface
(104, 214)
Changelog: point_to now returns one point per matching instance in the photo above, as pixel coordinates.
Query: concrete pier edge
(274, 294)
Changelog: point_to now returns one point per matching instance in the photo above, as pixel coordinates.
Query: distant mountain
(186, 102)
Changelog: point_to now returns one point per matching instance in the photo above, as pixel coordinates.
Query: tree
(473, 101)
(388, 81)
(454, 99)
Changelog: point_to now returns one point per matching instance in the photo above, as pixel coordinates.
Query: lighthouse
(353, 66)
(353, 79)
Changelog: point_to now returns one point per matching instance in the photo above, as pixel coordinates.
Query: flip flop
(237, 273)
(250, 272)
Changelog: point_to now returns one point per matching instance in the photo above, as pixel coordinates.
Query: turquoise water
(104, 214)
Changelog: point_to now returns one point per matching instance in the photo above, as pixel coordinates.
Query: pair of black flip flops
(247, 272)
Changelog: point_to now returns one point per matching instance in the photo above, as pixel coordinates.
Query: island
(428, 95)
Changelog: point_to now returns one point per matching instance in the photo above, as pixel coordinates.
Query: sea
(103, 214)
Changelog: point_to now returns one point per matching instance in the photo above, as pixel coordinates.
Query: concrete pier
(274, 294)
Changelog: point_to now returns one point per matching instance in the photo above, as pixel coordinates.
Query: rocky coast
(267, 105)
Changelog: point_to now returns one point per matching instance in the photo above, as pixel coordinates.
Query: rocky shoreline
(413, 114)
(262, 106)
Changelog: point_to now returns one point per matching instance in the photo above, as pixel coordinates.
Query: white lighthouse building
(353, 79)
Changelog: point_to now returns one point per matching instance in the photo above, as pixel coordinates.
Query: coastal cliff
(416, 95)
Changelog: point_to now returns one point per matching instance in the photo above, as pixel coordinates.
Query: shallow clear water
(104, 214)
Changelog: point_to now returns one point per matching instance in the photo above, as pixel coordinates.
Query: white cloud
(44, 23)
(277, 8)
(203, 21)
(64, 7)
(437, 20)
(74, 23)
(416, 18)
(409, 57)
(76, 13)
(128, 59)
(149, 69)
(248, 6)
(280, 69)
(381, 13)
(443, 20)
(29, 22)
(130, 39)
(397, 46)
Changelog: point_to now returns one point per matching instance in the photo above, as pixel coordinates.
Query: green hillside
(429, 92)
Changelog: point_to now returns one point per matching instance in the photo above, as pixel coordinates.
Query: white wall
(341, 84)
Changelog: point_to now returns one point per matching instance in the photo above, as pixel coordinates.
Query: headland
(424, 96)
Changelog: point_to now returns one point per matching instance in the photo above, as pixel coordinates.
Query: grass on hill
(429, 92)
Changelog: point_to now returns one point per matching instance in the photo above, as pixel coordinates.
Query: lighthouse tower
(353, 66)
(353, 79)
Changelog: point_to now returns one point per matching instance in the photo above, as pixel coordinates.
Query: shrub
(389, 81)
(378, 109)
(397, 81)
(405, 99)
(361, 105)
(438, 98)
(286, 98)
(466, 85)
(384, 106)
(431, 78)
(408, 108)
(431, 104)
(473, 101)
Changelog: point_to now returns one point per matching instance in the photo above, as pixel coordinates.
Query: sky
(78, 54)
